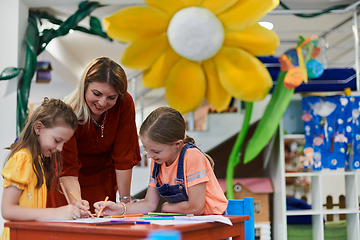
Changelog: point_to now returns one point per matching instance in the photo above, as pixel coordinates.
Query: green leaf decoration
(82, 5)
(9, 73)
(95, 25)
(268, 124)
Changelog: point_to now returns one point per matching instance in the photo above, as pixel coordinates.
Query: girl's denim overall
(173, 193)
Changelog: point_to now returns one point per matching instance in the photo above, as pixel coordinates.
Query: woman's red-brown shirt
(93, 159)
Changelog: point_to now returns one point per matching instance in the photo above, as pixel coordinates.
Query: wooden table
(33, 230)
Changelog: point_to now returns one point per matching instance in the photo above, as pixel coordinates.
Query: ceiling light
(267, 25)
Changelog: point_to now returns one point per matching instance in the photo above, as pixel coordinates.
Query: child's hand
(68, 212)
(109, 208)
(164, 207)
(83, 206)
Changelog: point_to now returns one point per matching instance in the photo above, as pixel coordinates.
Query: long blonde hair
(101, 69)
(166, 125)
(51, 113)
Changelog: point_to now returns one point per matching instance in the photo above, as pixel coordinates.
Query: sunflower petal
(216, 6)
(185, 86)
(171, 6)
(256, 39)
(216, 95)
(135, 23)
(155, 77)
(143, 53)
(190, 3)
(242, 75)
(246, 13)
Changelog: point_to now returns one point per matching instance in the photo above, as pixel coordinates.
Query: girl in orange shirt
(29, 169)
(181, 173)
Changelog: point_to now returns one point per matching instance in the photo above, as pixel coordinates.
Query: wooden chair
(244, 207)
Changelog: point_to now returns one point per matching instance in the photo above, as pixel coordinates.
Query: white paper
(177, 220)
(81, 220)
(195, 219)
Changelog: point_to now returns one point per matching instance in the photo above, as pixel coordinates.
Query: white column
(13, 22)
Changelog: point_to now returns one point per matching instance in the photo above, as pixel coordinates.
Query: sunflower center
(195, 33)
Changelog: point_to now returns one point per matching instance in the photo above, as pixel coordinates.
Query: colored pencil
(127, 216)
(157, 218)
(81, 204)
(154, 214)
(165, 214)
(114, 223)
(124, 221)
(107, 198)
(65, 193)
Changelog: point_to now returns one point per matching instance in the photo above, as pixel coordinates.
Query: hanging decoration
(198, 49)
(43, 70)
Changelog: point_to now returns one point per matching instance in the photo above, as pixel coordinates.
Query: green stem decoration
(234, 157)
(23, 90)
(36, 43)
(268, 124)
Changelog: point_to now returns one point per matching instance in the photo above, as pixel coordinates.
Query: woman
(98, 159)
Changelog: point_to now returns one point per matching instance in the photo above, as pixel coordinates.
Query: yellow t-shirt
(197, 169)
(18, 172)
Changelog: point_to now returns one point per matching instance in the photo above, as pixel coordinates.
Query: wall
(14, 13)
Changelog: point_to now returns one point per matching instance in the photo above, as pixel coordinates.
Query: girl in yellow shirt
(29, 168)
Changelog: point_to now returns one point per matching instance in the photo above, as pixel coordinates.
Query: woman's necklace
(102, 125)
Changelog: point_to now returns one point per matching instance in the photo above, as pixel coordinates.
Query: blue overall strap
(156, 170)
(180, 169)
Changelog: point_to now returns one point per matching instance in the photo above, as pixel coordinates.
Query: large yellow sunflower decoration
(198, 49)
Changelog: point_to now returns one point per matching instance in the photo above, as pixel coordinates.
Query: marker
(158, 218)
(127, 221)
(165, 214)
(114, 223)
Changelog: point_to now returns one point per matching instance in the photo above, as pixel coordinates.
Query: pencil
(81, 204)
(65, 193)
(102, 208)
(129, 215)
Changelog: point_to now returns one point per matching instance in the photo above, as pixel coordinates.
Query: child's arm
(149, 204)
(11, 210)
(195, 205)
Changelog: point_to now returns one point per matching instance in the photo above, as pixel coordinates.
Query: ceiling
(74, 51)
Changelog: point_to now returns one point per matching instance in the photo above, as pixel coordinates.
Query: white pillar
(13, 22)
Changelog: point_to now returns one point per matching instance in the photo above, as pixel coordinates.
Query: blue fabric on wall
(332, 132)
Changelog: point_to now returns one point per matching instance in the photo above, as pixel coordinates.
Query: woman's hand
(109, 208)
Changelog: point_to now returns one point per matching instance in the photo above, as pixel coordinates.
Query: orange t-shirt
(197, 169)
